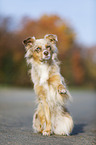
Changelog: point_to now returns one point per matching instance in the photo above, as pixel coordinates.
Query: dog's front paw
(46, 133)
(61, 89)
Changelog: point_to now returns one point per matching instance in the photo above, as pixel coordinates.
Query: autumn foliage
(13, 68)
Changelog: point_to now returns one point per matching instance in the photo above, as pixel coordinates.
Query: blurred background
(74, 22)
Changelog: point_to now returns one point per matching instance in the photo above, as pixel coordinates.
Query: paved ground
(16, 110)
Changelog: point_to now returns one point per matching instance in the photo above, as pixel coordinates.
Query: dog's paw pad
(63, 91)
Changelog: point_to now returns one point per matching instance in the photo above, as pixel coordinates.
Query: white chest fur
(40, 74)
(43, 73)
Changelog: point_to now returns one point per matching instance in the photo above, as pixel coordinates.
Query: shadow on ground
(78, 128)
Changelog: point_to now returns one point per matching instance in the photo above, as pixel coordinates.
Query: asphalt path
(17, 107)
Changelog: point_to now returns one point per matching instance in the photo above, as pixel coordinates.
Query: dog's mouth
(45, 59)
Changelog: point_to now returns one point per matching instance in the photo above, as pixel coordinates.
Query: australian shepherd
(51, 115)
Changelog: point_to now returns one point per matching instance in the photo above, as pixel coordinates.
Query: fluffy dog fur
(51, 116)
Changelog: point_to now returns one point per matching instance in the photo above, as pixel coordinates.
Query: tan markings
(37, 56)
(41, 92)
(54, 80)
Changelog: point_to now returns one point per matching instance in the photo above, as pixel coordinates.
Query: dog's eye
(48, 47)
(38, 49)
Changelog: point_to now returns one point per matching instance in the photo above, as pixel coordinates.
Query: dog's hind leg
(63, 124)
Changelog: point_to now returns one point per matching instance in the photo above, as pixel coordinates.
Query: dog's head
(41, 50)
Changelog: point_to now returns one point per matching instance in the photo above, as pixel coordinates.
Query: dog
(51, 116)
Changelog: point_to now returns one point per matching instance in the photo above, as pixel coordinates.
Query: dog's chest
(41, 78)
(42, 72)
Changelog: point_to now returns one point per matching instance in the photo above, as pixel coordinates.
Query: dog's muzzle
(46, 55)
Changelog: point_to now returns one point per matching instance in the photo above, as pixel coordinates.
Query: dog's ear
(29, 42)
(52, 38)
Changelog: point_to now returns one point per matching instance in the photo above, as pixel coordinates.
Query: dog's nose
(46, 53)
